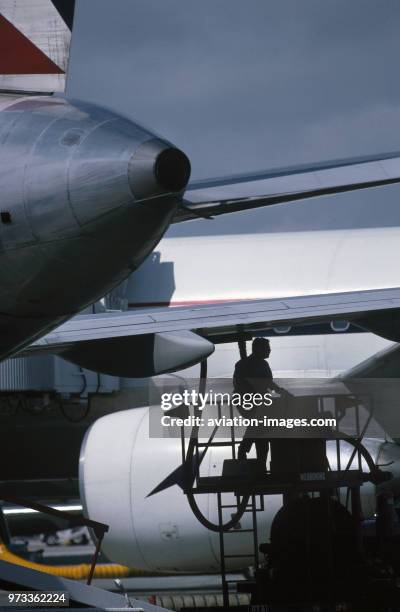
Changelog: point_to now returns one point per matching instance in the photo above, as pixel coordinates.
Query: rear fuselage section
(80, 210)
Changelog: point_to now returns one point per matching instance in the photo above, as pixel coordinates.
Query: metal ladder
(252, 507)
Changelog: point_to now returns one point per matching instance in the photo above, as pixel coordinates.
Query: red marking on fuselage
(18, 55)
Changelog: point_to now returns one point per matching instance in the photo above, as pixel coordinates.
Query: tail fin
(35, 37)
(378, 380)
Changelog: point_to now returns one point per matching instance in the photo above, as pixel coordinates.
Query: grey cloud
(244, 86)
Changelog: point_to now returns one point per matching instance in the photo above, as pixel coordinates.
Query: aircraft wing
(217, 321)
(244, 192)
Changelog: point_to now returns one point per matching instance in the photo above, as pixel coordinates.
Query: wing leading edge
(216, 321)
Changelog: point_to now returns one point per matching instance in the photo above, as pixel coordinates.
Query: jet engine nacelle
(121, 464)
(88, 195)
(141, 356)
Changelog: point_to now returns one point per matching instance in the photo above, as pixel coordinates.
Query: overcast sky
(247, 85)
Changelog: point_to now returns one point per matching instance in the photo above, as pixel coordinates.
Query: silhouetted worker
(253, 375)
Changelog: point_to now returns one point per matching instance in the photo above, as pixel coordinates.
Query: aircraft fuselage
(85, 196)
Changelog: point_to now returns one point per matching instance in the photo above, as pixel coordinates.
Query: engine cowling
(141, 356)
(120, 465)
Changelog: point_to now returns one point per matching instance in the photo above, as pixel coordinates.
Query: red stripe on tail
(18, 55)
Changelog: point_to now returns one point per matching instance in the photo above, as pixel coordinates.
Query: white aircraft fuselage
(160, 532)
